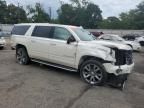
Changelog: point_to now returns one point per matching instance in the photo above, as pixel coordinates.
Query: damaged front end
(121, 68)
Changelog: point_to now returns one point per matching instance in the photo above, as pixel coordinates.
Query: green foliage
(139, 16)
(134, 19)
(3, 11)
(93, 16)
(11, 14)
(110, 23)
(15, 14)
(66, 13)
(80, 13)
(37, 14)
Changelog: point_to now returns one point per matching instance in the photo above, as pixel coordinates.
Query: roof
(47, 24)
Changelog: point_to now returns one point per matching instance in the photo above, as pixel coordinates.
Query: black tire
(22, 56)
(12, 48)
(122, 85)
(141, 43)
(99, 75)
(1, 48)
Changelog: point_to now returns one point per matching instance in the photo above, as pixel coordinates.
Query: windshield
(83, 34)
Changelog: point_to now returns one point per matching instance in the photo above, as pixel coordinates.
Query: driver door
(60, 52)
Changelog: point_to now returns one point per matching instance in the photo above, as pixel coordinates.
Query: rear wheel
(1, 48)
(22, 56)
(93, 72)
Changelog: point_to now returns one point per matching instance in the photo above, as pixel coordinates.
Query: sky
(108, 7)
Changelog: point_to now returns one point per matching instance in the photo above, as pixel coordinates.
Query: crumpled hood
(112, 44)
(94, 49)
(90, 44)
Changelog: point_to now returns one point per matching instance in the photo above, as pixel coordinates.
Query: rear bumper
(118, 70)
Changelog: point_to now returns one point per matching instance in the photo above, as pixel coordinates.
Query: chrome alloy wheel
(20, 56)
(92, 73)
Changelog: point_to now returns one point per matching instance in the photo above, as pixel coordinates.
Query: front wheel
(121, 86)
(22, 56)
(93, 72)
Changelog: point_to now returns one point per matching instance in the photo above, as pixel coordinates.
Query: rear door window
(20, 30)
(42, 31)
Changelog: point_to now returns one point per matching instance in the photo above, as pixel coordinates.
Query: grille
(123, 57)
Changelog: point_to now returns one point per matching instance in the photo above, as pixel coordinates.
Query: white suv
(74, 49)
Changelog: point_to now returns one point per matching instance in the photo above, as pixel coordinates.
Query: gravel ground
(38, 86)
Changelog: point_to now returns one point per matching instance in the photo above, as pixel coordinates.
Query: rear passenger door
(39, 42)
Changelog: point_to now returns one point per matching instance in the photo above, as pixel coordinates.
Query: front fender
(97, 53)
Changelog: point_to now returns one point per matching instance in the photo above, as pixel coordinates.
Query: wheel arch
(130, 45)
(21, 46)
(88, 57)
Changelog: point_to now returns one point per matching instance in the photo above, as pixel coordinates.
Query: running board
(55, 65)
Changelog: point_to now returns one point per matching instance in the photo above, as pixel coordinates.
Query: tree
(127, 20)
(66, 14)
(94, 16)
(3, 11)
(37, 14)
(80, 13)
(139, 16)
(111, 23)
(15, 14)
(134, 19)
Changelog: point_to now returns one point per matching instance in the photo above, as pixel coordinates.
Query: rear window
(20, 30)
(43, 31)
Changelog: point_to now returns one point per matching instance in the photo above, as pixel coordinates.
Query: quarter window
(20, 30)
(61, 33)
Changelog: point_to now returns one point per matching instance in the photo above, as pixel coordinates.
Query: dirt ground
(38, 86)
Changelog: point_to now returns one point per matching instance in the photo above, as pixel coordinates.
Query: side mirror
(70, 39)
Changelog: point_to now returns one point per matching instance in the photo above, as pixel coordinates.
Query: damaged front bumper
(118, 74)
(118, 70)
